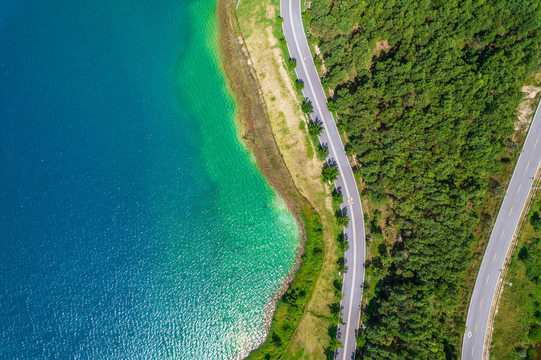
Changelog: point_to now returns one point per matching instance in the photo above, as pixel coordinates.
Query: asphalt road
(516, 197)
(355, 233)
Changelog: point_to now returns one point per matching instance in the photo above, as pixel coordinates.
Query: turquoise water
(134, 223)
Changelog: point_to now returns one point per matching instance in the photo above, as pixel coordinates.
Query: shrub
(307, 17)
(535, 221)
(292, 63)
(535, 334)
(330, 105)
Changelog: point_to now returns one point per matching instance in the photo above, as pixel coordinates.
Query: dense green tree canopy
(329, 174)
(427, 90)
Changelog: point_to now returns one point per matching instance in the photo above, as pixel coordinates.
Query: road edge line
(509, 256)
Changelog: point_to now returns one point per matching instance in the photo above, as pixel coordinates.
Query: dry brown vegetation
(285, 116)
(273, 128)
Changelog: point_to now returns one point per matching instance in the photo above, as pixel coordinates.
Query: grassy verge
(496, 187)
(292, 305)
(303, 325)
(517, 330)
(258, 136)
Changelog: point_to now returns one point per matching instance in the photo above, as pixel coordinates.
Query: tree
(307, 17)
(420, 116)
(523, 253)
(299, 85)
(531, 353)
(335, 308)
(279, 20)
(532, 260)
(306, 107)
(342, 243)
(329, 174)
(276, 340)
(322, 152)
(317, 61)
(315, 128)
(342, 220)
(342, 265)
(337, 198)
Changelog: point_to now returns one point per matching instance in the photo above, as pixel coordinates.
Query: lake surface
(134, 224)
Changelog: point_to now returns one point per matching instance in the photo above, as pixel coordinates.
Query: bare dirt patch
(323, 70)
(527, 107)
(381, 46)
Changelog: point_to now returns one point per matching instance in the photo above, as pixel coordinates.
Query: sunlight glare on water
(134, 223)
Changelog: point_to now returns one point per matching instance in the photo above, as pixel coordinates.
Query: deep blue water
(134, 224)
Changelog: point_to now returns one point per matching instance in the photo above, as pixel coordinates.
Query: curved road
(355, 234)
(486, 285)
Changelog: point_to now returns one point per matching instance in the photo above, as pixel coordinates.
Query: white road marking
(482, 316)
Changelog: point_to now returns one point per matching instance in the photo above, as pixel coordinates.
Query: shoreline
(251, 112)
(256, 133)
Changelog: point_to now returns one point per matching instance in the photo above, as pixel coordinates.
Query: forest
(427, 92)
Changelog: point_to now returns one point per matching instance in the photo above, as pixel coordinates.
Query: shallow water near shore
(134, 223)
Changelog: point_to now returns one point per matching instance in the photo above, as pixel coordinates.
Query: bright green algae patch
(261, 237)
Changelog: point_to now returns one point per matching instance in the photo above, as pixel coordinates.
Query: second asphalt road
(489, 276)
